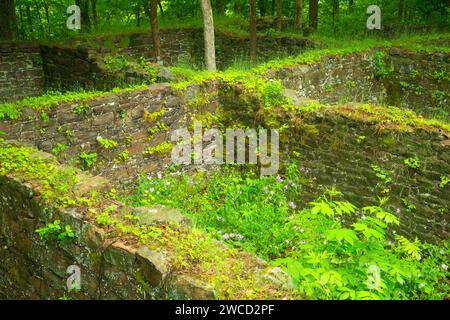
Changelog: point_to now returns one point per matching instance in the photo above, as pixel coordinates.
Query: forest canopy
(46, 19)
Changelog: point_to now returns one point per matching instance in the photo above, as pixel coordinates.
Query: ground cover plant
(331, 248)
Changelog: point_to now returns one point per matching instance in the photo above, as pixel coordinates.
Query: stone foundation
(21, 73)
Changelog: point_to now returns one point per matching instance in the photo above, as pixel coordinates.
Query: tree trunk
(401, 10)
(208, 31)
(39, 17)
(262, 8)
(298, 15)
(351, 3)
(85, 15)
(313, 14)
(220, 8)
(94, 14)
(46, 14)
(147, 9)
(84, 8)
(160, 8)
(30, 20)
(253, 31)
(21, 31)
(8, 25)
(138, 14)
(335, 14)
(279, 15)
(273, 7)
(155, 30)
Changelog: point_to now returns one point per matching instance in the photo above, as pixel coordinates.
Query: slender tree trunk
(155, 31)
(279, 15)
(30, 20)
(253, 43)
(138, 14)
(335, 14)
(147, 9)
(94, 13)
(160, 8)
(8, 24)
(208, 30)
(46, 13)
(36, 5)
(85, 15)
(84, 7)
(220, 7)
(298, 15)
(262, 8)
(273, 7)
(401, 10)
(21, 31)
(313, 14)
(351, 3)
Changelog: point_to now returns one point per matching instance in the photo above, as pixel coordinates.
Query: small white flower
(444, 266)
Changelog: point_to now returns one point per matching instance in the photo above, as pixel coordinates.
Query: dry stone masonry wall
(335, 150)
(138, 121)
(412, 81)
(187, 46)
(36, 268)
(21, 73)
(343, 153)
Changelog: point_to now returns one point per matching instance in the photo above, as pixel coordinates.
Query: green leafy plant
(160, 149)
(123, 156)
(107, 143)
(413, 163)
(412, 249)
(158, 127)
(444, 181)
(116, 63)
(44, 117)
(59, 149)
(151, 117)
(441, 75)
(379, 67)
(82, 110)
(361, 139)
(331, 249)
(382, 174)
(272, 93)
(105, 218)
(410, 207)
(88, 160)
(54, 230)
